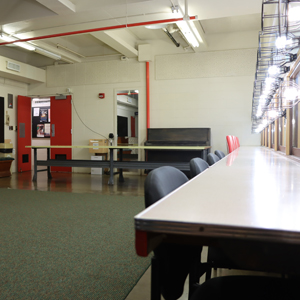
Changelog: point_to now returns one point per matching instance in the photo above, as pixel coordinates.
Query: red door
(24, 133)
(61, 126)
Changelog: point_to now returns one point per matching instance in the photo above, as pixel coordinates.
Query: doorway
(127, 122)
(52, 126)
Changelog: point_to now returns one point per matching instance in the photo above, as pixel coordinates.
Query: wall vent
(13, 66)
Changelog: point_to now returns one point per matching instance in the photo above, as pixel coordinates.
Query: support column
(276, 135)
(289, 140)
(298, 127)
(270, 136)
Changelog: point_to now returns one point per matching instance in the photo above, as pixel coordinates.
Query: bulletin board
(41, 122)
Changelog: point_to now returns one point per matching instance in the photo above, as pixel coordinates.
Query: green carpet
(68, 245)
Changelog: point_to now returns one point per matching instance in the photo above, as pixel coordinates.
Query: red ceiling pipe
(97, 29)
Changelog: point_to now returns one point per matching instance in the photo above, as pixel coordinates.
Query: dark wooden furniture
(177, 137)
(5, 164)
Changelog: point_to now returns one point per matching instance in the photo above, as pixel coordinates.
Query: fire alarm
(101, 95)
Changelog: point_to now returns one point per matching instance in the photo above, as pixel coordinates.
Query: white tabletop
(252, 193)
(126, 147)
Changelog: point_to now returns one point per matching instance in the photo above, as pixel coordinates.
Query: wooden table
(248, 203)
(184, 166)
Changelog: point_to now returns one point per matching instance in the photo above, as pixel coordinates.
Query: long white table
(184, 166)
(248, 203)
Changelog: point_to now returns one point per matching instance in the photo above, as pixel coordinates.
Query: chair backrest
(220, 154)
(230, 143)
(197, 165)
(162, 181)
(212, 158)
(172, 262)
(235, 143)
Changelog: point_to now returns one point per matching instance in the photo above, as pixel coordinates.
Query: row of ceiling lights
(186, 27)
(29, 46)
(279, 41)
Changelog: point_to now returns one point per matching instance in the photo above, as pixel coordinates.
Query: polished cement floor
(87, 183)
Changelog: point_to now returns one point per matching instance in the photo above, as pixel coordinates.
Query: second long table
(184, 166)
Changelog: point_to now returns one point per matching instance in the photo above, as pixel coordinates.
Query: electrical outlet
(11, 127)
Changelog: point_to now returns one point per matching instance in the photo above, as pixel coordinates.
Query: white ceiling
(36, 18)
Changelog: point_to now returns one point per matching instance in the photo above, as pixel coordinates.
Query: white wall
(207, 89)
(86, 81)
(210, 89)
(8, 86)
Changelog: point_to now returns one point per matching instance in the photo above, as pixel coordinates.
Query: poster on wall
(36, 112)
(40, 118)
(43, 115)
(46, 130)
(40, 130)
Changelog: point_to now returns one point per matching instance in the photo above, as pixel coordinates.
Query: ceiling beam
(115, 39)
(60, 7)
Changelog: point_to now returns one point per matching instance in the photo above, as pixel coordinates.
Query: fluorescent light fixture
(8, 38)
(294, 14)
(262, 99)
(291, 94)
(25, 46)
(187, 28)
(47, 53)
(188, 33)
(29, 47)
(195, 31)
(156, 26)
(273, 70)
(269, 81)
(272, 114)
(282, 42)
(259, 112)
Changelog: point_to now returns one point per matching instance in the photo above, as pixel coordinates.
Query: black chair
(220, 154)
(197, 165)
(247, 288)
(212, 158)
(171, 262)
(161, 181)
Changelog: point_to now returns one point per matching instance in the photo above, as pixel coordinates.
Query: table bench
(184, 166)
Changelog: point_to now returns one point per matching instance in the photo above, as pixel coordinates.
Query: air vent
(13, 66)
(61, 97)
